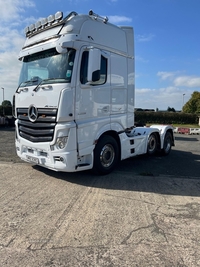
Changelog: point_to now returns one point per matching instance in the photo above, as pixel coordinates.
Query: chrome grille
(42, 130)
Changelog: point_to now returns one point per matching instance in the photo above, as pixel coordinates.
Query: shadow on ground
(162, 175)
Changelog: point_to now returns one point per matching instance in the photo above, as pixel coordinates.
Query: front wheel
(167, 144)
(106, 155)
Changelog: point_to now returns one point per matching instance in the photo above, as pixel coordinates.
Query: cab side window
(84, 68)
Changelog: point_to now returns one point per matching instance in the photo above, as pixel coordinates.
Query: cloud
(9, 73)
(161, 98)
(10, 10)
(145, 37)
(187, 81)
(169, 96)
(144, 91)
(119, 19)
(166, 75)
(11, 36)
(11, 41)
(180, 81)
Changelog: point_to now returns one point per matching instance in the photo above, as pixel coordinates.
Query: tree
(6, 103)
(171, 109)
(193, 104)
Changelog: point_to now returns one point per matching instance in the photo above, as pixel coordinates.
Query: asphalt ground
(145, 213)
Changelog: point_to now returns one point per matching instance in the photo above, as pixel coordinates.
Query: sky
(166, 37)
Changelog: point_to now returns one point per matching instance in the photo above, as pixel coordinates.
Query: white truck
(74, 106)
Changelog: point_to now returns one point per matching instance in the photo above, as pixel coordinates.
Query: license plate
(32, 159)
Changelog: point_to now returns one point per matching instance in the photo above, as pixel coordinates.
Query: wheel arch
(106, 153)
(113, 134)
(163, 129)
(163, 138)
(158, 139)
(172, 134)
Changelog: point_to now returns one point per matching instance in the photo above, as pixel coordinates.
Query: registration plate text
(32, 159)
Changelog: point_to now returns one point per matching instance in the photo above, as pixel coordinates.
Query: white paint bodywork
(94, 110)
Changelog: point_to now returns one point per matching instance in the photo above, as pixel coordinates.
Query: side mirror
(94, 65)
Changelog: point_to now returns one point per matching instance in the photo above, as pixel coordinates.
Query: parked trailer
(2, 120)
(186, 130)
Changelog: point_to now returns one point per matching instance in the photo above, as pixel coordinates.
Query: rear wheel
(106, 155)
(167, 144)
(152, 144)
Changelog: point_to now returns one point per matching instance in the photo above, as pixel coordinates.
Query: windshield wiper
(46, 81)
(39, 82)
(31, 81)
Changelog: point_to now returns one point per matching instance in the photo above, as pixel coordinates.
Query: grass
(187, 125)
(179, 125)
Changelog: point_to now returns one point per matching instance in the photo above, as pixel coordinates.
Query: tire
(167, 145)
(152, 144)
(106, 155)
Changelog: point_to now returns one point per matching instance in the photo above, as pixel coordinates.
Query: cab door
(93, 95)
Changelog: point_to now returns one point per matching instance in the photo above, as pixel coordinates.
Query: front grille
(42, 130)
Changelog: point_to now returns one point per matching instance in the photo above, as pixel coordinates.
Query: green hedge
(144, 117)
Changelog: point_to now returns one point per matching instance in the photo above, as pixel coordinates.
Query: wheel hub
(107, 155)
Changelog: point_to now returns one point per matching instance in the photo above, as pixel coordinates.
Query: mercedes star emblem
(32, 113)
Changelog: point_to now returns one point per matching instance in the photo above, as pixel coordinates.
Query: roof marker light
(105, 20)
(32, 27)
(38, 24)
(91, 13)
(49, 22)
(58, 15)
(51, 19)
(27, 30)
(97, 17)
(44, 22)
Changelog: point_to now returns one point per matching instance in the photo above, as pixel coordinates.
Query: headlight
(61, 142)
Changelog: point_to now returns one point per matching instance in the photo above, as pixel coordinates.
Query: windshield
(47, 67)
